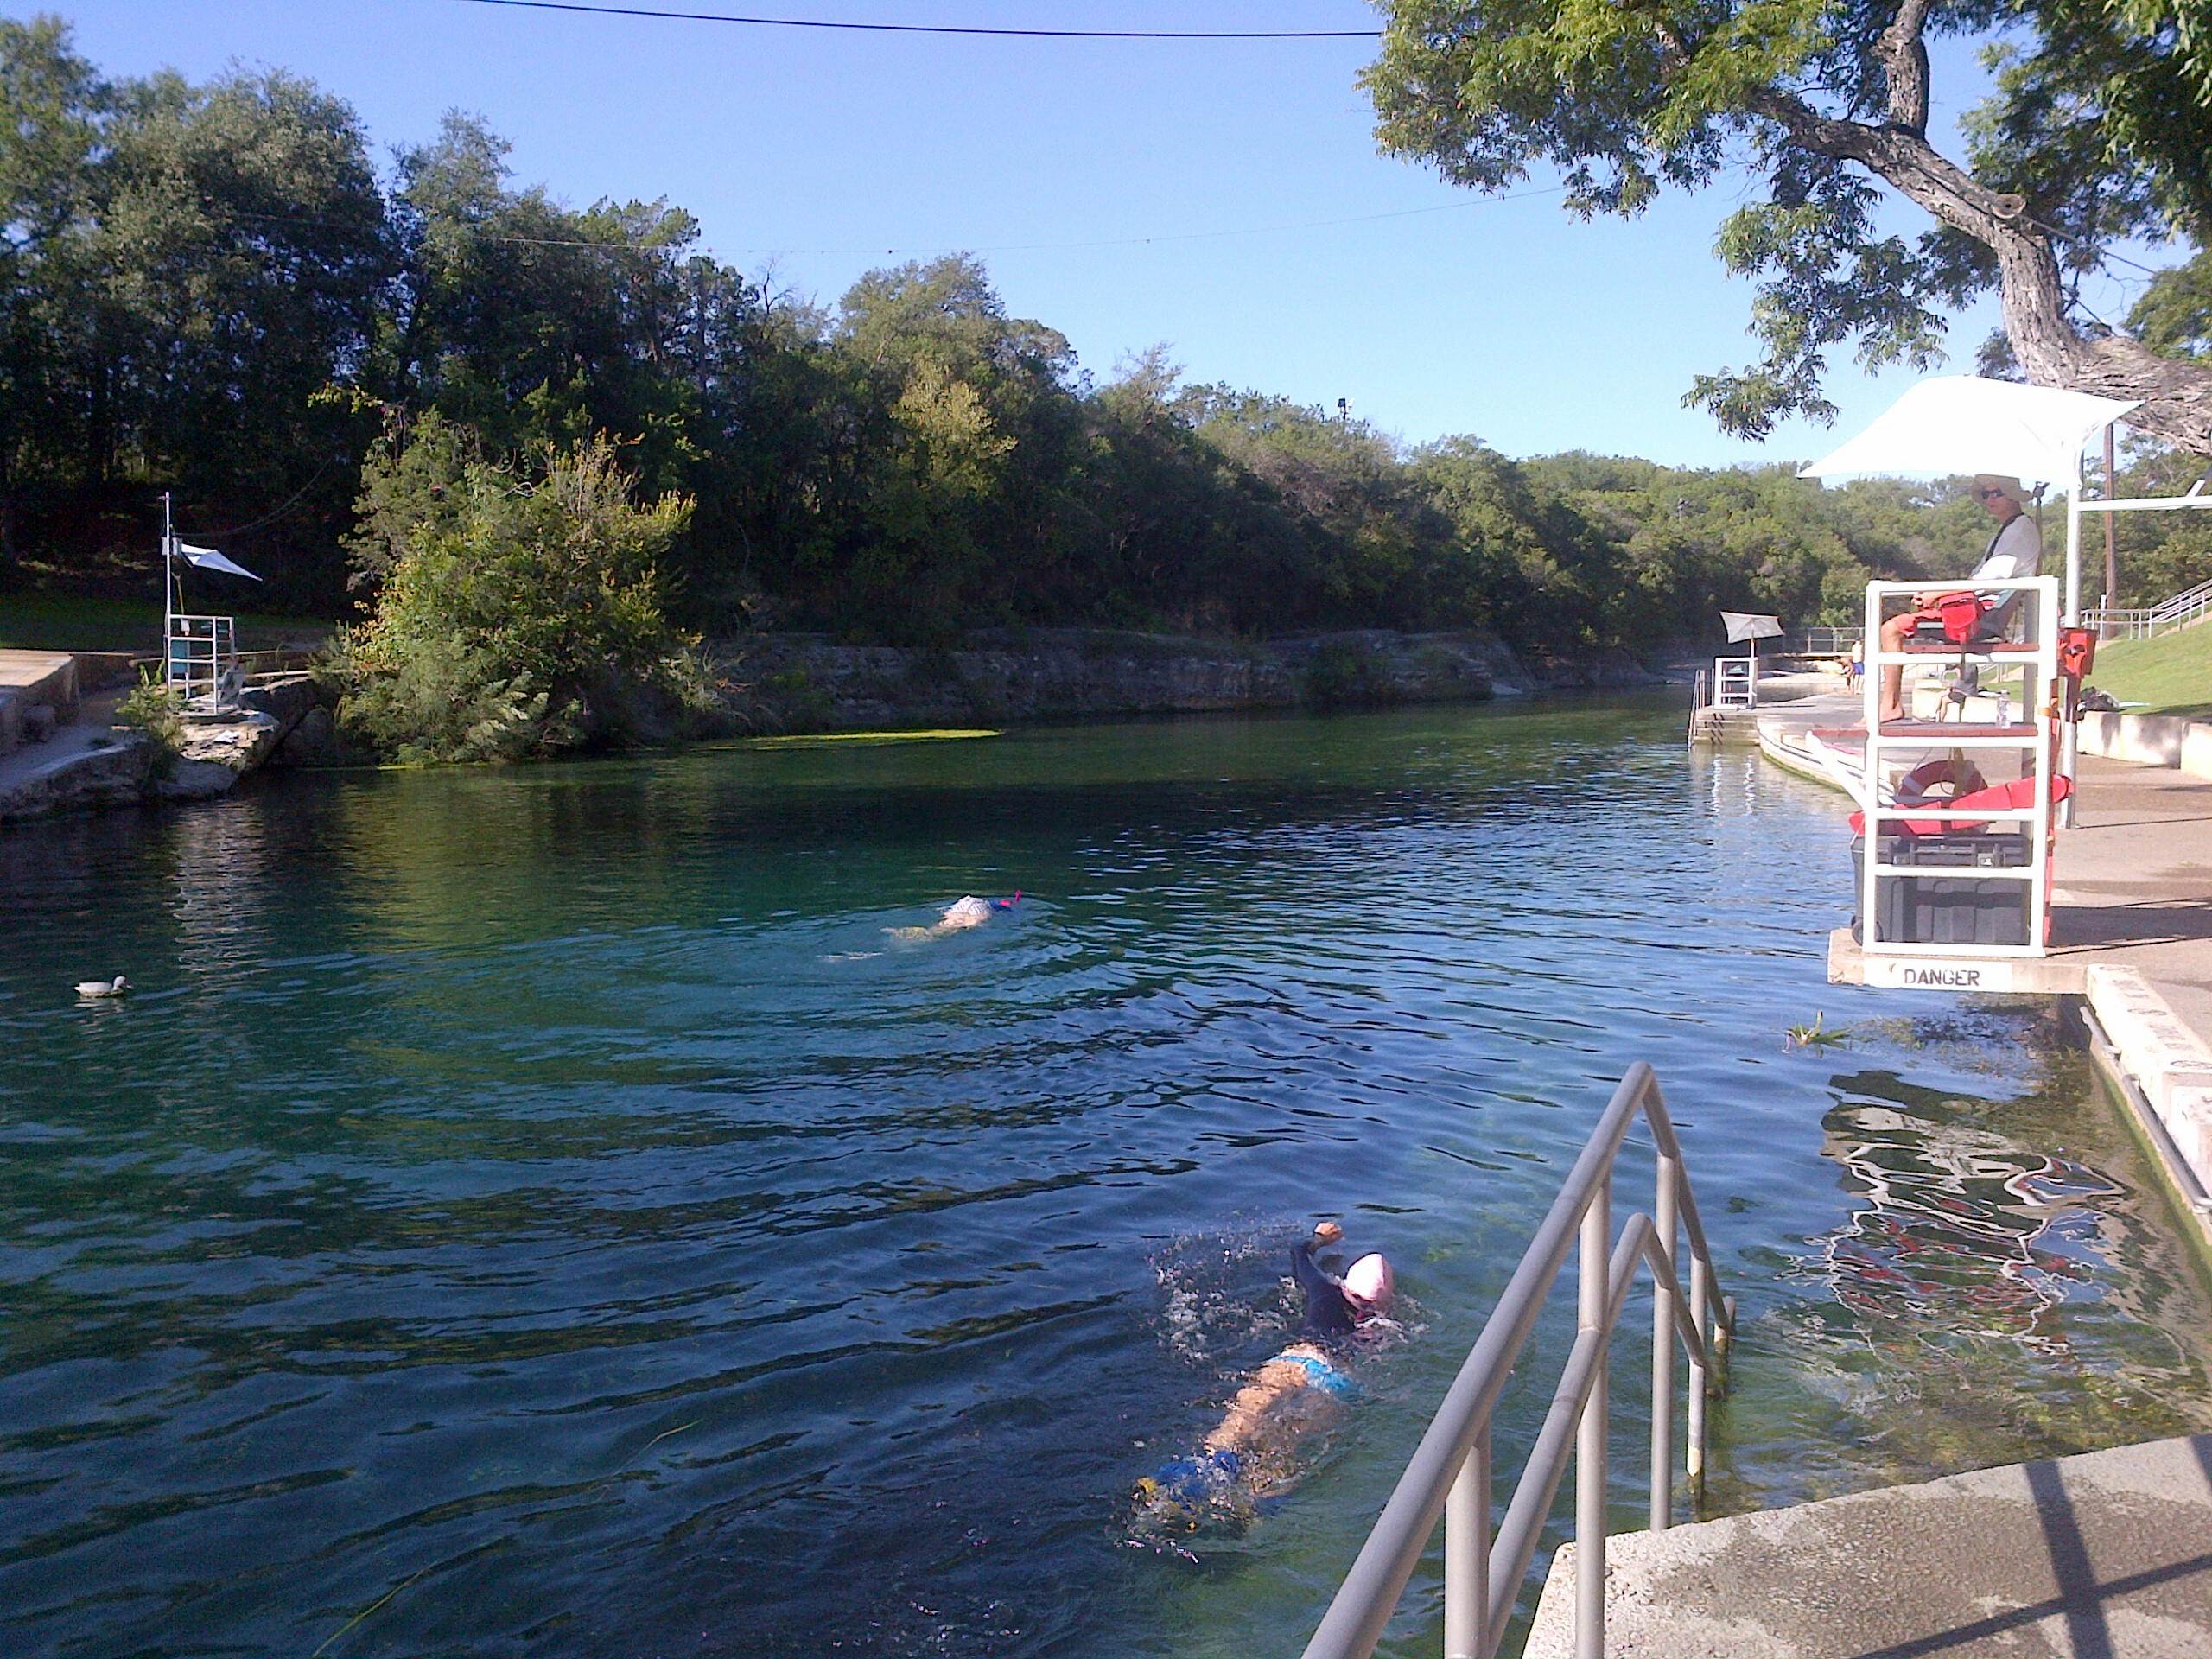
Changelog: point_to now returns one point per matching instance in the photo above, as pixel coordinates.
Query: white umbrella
(206, 558)
(1742, 626)
(1960, 423)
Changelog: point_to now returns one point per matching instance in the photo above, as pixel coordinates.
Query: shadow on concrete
(2088, 925)
(2080, 1604)
(2082, 1600)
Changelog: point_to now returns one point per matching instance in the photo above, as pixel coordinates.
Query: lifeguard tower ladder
(1944, 892)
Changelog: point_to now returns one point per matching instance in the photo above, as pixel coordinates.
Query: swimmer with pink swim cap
(1250, 1457)
(966, 912)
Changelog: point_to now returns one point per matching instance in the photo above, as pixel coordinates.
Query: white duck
(102, 987)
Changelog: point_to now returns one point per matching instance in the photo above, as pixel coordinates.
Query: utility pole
(2111, 532)
(168, 582)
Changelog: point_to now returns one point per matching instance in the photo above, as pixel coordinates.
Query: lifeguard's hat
(1370, 1282)
(2011, 486)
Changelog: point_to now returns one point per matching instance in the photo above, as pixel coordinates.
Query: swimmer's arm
(1326, 1310)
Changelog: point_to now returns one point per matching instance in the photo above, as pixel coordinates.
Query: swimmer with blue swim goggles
(1277, 1403)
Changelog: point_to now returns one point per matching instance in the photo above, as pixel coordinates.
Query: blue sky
(1224, 198)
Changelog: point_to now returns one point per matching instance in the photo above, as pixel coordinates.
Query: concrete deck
(2092, 1557)
(48, 676)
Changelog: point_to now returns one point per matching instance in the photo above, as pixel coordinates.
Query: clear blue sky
(1220, 197)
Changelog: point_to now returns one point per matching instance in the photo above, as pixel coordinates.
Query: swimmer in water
(962, 913)
(1250, 1455)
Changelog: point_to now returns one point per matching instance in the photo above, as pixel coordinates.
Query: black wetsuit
(1329, 1312)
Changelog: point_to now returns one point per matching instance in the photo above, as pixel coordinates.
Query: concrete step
(2107, 1555)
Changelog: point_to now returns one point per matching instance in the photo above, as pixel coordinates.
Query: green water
(545, 1211)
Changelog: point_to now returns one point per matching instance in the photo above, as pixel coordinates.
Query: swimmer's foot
(1188, 1494)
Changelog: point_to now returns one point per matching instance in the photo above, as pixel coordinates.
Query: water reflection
(2005, 1285)
(1964, 1235)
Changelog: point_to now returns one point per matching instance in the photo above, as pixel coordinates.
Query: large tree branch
(1903, 53)
(2177, 394)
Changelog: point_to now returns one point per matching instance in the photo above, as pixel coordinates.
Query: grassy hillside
(2170, 675)
(42, 621)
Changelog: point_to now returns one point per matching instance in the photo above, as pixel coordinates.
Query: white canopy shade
(1742, 625)
(206, 558)
(1961, 423)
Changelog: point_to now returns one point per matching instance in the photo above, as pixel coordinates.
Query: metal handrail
(1820, 640)
(2189, 603)
(1449, 1475)
(1701, 700)
(2145, 622)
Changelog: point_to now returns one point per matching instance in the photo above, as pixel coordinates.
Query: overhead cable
(946, 28)
(917, 253)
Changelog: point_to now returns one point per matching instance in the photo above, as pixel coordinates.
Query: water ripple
(549, 1210)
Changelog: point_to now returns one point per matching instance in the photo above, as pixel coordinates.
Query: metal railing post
(1590, 1441)
(1662, 1350)
(1449, 1476)
(1700, 1380)
(1466, 1556)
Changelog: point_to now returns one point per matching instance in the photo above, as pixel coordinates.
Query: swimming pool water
(545, 1210)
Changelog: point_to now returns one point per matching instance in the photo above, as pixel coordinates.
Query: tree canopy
(2098, 130)
(363, 382)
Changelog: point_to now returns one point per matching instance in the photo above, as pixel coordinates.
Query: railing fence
(1449, 1475)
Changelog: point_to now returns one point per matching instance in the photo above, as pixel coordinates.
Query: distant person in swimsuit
(1250, 1455)
(962, 913)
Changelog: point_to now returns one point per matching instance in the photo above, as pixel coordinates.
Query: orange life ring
(1916, 787)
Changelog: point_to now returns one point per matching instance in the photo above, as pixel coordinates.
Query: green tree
(518, 615)
(2099, 130)
(188, 273)
(240, 255)
(963, 424)
(2174, 314)
(52, 103)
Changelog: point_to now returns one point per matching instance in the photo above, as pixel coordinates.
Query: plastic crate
(1985, 852)
(1946, 909)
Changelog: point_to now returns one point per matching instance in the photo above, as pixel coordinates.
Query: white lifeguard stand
(1945, 426)
(1937, 884)
(1736, 679)
(199, 653)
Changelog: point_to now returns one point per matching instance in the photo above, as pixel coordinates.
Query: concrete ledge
(2106, 1554)
(2166, 1059)
(2150, 740)
(47, 676)
(1849, 964)
(76, 773)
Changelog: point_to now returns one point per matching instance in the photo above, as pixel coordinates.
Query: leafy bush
(518, 615)
(1347, 674)
(154, 710)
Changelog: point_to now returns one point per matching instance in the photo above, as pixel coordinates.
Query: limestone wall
(806, 682)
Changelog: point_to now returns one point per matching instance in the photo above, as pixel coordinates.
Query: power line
(1013, 247)
(948, 29)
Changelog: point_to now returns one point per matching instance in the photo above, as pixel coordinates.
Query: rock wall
(283, 720)
(80, 774)
(806, 683)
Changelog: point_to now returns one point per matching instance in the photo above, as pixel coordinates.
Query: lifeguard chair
(1736, 679)
(199, 653)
